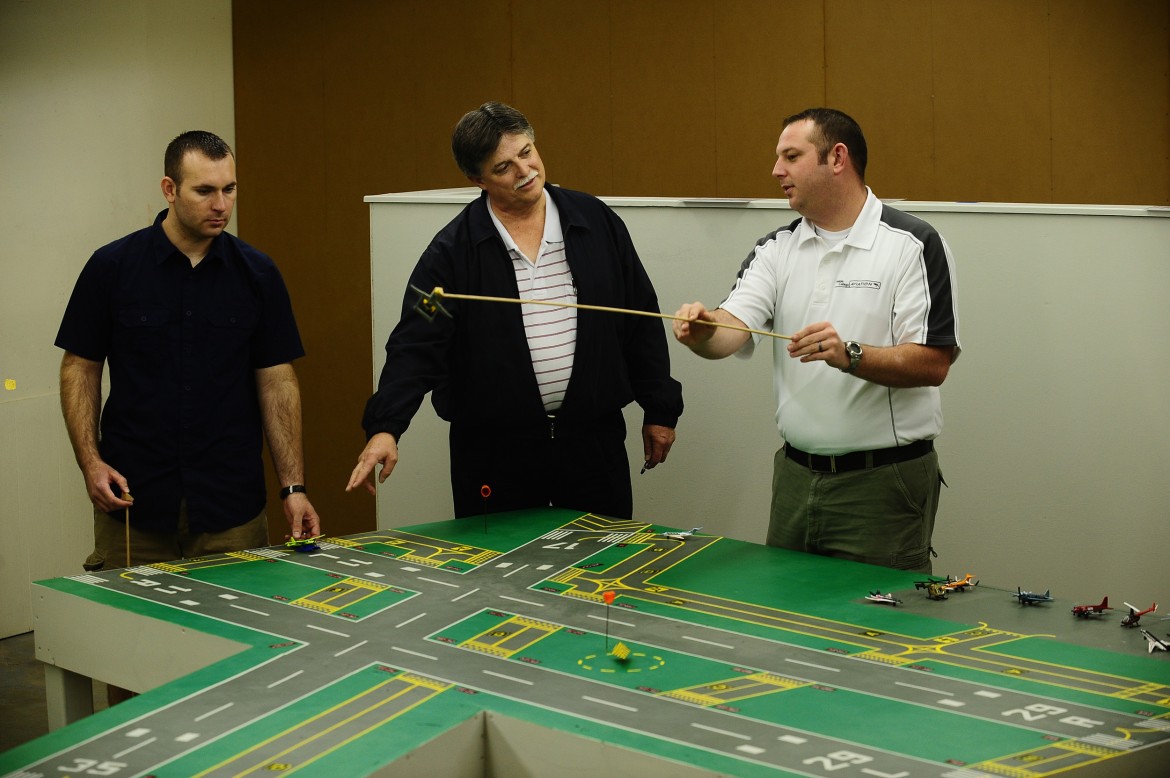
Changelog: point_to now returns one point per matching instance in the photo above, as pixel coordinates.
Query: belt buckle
(812, 463)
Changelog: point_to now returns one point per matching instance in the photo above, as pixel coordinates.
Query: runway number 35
(1039, 710)
(92, 767)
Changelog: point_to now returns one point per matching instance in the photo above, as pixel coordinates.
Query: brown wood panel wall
(1005, 100)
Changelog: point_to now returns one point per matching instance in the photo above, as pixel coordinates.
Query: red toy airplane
(1085, 611)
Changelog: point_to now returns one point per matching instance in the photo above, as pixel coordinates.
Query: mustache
(531, 177)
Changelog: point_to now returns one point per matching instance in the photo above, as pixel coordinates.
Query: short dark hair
(830, 128)
(478, 133)
(206, 143)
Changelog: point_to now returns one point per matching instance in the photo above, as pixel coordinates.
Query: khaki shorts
(109, 538)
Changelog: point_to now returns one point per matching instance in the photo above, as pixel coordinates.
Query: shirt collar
(164, 249)
(864, 230)
(553, 232)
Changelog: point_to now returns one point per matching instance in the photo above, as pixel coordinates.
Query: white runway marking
(414, 653)
(986, 693)
(465, 594)
(249, 610)
(952, 703)
(286, 678)
(753, 750)
(214, 711)
(508, 677)
(189, 603)
(351, 648)
(330, 631)
(612, 621)
(707, 642)
(924, 689)
(739, 735)
(187, 737)
(441, 583)
(522, 602)
(610, 704)
(810, 664)
(518, 569)
(411, 569)
(139, 732)
(134, 747)
(793, 740)
(413, 618)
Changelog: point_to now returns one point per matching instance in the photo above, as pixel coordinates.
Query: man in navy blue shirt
(198, 331)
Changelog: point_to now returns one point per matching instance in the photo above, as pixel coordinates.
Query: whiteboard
(1055, 445)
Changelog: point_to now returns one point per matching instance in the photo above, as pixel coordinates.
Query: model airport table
(485, 648)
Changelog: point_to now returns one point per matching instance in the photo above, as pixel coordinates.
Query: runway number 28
(1039, 710)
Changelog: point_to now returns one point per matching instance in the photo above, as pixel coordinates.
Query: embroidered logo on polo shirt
(859, 284)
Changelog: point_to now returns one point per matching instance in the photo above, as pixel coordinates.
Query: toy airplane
(1031, 598)
(1135, 615)
(1154, 643)
(303, 545)
(1085, 611)
(885, 599)
(428, 304)
(959, 584)
(681, 535)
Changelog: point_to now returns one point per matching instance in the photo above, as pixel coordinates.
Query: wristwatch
(292, 489)
(853, 349)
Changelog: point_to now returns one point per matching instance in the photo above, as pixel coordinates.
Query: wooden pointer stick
(438, 293)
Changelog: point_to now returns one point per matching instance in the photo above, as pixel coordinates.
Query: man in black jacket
(534, 393)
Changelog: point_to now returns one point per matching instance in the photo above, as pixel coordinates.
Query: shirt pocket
(142, 333)
(230, 330)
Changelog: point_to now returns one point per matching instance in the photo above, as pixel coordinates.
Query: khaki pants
(883, 516)
(150, 547)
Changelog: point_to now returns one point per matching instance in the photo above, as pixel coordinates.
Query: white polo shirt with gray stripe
(890, 281)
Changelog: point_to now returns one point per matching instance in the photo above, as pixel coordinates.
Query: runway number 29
(1039, 710)
(839, 760)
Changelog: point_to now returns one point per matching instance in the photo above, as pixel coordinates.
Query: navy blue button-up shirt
(182, 419)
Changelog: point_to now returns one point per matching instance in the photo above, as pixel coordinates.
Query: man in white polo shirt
(534, 393)
(868, 295)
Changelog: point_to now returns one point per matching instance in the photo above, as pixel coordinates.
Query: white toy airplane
(681, 535)
(1155, 643)
(885, 599)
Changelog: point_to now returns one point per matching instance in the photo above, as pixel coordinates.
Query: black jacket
(477, 363)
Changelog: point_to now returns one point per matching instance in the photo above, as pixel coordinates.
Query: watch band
(853, 350)
(292, 489)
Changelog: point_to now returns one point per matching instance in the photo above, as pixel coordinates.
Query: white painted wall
(1056, 438)
(91, 91)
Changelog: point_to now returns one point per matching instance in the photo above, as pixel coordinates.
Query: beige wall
(90, 94)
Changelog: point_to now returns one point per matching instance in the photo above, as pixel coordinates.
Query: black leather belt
(858, 460)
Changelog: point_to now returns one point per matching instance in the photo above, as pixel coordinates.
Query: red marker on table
(608, 596)
(485, 492)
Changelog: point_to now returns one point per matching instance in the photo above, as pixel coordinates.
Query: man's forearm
(81, 402)
(280, 409)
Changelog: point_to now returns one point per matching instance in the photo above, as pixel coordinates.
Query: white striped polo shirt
(551, 330)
